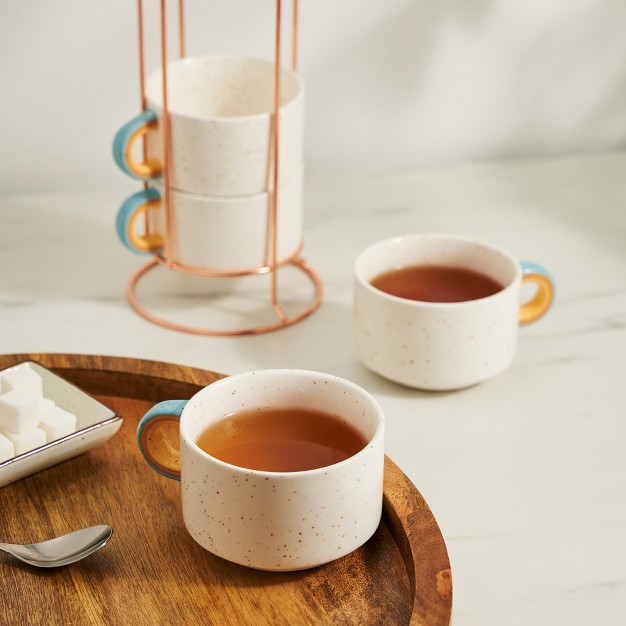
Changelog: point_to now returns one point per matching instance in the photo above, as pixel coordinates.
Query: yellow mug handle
(158, 438)
(542, 300)
(126, 223)
(124, 147)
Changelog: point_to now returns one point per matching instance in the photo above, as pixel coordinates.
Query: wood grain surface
(152, 572)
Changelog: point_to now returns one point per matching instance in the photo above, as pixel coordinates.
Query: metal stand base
(282, 319)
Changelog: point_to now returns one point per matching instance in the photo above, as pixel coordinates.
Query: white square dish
(95, 424)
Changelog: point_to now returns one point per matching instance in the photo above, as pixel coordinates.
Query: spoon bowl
(61, 550)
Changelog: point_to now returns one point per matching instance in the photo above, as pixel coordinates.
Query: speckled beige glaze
(282, 521)
(436, 346)
(231, 233)
(220, 114)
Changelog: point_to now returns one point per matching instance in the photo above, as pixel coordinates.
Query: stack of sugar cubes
(28, 420)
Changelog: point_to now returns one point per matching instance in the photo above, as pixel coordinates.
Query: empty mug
(221, 233)
(221, 110)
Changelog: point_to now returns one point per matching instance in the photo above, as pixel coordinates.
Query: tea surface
(281, 439)
(436, 283)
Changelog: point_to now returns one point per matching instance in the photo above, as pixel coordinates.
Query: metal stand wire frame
(168, 259)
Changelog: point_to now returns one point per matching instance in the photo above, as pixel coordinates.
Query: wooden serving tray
(152, 572)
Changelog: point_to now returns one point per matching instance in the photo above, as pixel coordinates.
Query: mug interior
(282, 388)
(444, 250)
(221, 87)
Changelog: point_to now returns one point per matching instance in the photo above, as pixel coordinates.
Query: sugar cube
(22, 377)
(45, 404)
(23, 442)
(18, 411)
(28, 419)
(57, 423)
(6, 449)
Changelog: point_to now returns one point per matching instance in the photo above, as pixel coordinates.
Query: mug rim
(374, 440)
(159, 185)
(156, 74)
(367, 285)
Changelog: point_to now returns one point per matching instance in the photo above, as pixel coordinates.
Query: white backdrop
(391, 84)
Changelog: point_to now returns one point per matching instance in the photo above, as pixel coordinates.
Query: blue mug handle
(544, 296)
(126, 222)
(124, 146)
(158, 437)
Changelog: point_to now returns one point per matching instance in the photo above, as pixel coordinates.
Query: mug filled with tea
(280, 469)
(441, 312)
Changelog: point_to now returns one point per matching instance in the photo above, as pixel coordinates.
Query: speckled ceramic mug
(221, 110)
(271, 520)
(223, 233)
(443, 345)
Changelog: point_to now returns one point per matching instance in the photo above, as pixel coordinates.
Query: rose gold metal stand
(168, 258)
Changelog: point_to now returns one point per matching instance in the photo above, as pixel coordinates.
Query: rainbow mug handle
(124, 147)
(158, 437)
(538, 306)
(126, 222)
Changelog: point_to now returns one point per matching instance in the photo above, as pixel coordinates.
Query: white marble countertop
(525, 473)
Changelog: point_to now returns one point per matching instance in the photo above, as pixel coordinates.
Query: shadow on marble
(60, 253)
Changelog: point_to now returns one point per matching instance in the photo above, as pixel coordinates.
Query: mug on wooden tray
(322, 503)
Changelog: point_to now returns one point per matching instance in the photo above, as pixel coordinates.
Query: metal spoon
(61, 550)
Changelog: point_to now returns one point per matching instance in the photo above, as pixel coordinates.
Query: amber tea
(281, 439)
(436, 283)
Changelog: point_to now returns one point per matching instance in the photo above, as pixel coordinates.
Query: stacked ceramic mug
(221, 172)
